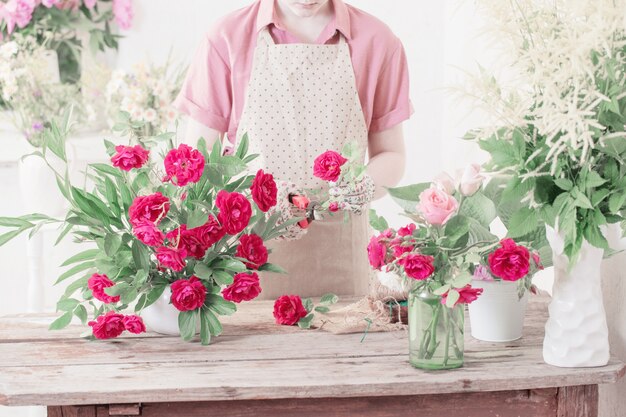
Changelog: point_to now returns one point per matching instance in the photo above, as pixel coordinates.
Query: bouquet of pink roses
(194, 223)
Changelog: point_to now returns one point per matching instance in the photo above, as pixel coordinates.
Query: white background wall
(440, 37)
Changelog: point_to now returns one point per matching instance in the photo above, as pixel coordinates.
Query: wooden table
(260, 369)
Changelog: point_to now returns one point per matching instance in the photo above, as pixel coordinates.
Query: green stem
(446, 349)
(432, 340)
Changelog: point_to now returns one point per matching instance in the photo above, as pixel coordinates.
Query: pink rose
(97, 283)
(328, 165)
(377, 252)
(471, 180)
(510, 262)
(211, 232)
(407, 230)
(173, 258)
(537, 259)
(235, 211)
(108, 326)
(251, 248)
(245, 287)
(417, 266)
(148, 234)
(437, 206)
(445, 182)
(467, 295)
(188, 294)
(190, 240)
(151, 208)
(134, 324)
(264, 191)
(67, 4)
(183, 165)
(481, 273)
(129, 157)
(18, 12)
(399, 247)
(333, 207)
(288, 310)
(123, 13)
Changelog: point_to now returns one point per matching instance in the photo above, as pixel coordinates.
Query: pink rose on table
(149, 234)
(510, 262)
(418, 266)
(173, 258)
(134, 324)
(288, 310)
(467, 295)
(97, 283)
(245, 287)
(251, 247)
(123, 13)
(264, 191)
(150, 208)
(188, 294)
(210, 232)
(108, 326)
(183, 165)
(377, 252)
(235, 211)
(129, 157)
(437, 206)
(328, 165)
(471, 180)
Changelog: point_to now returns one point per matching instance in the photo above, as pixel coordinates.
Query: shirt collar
(267, 16)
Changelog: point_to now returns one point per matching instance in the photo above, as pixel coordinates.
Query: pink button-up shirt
(215, 88)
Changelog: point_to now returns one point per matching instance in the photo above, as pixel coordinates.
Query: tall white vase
(576, 331)
(38, 186)
(498, 314)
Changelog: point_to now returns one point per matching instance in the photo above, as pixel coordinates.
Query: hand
(291, 204)
(353, 196)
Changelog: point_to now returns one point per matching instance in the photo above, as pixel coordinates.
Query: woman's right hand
(291, 204)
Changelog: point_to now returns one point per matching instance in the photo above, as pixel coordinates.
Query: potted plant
(185, 233)
(435, 255)
(559, 145)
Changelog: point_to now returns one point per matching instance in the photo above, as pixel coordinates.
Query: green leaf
(219, 305)
(598, 196)
(478, 233)
(594, 180)
(228, 166)
(272, 268)
(6, 237)
(457, 227)
(81, 312)
(75, 270)
(141, 277)
(462, 280)
(222, 277)
(141, 255)
(594, 235)
(442, 290)
(230, 265)
(407, 197)
(205, 328)
(322, 309)
(197, 218)
(452, 297)
(107, 169)
(202, 271)
(305, 323)
(214, 324)
(119, 289)
(377, 222)
(187, 324)
(14, 222)
(616, 202)
(79, 283)
(516, 190)
(242, 147)
(89, 254)
(67, 304)
(479, 207)
(112, 243)
(580, 199)
(62, 321)
(564, 184)
(329, 299)
(523, 222)
(308, 304)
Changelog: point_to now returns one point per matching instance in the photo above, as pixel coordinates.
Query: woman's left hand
(353, 196)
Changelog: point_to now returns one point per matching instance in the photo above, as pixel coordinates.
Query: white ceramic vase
(498, 314)
(39, 190)
(576, 331)
(162, 317)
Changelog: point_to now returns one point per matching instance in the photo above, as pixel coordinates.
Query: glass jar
(436, 332)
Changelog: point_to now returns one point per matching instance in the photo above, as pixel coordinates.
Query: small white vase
(576, 331)
(162, 316)
(38, 186)
(498, 314)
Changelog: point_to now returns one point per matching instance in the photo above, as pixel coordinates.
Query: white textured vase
(162, 317)
(38, 186)
(498, 314)
(576, 332)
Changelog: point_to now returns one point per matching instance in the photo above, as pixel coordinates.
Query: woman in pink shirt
(301, 77)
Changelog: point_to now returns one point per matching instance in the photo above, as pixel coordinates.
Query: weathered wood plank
(276, 379)
(124, 410)
(71, 411)
(578, 401)
(55, 411)
(496, 404)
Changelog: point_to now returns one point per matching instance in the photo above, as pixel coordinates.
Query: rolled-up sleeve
(206, 94)
(391, 101)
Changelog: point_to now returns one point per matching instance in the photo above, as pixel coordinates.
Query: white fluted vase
(576, 331)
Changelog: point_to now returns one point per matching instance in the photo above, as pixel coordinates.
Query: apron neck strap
(266, 36)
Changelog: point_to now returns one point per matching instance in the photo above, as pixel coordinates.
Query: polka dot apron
(301, 101)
